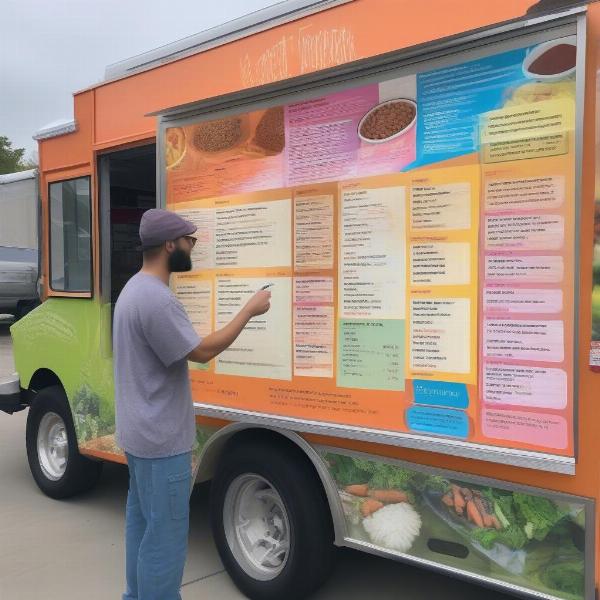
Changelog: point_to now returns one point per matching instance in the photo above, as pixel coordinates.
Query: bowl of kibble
(269, 135)
(220, 136)
(387, 121)
(552, 61)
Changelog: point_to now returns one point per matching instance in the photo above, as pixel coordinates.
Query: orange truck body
(119, 114)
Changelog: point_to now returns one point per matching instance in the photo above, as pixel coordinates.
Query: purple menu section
(321, 135)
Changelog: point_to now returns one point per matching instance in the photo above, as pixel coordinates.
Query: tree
(11, 159)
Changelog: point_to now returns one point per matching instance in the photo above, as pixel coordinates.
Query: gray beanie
(158, 226)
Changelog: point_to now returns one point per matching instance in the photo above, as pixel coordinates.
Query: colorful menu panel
(418, 236)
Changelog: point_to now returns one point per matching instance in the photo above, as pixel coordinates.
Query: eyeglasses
(190, 239)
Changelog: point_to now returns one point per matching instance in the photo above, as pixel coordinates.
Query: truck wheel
(24, 307)
(270, 521)
(58, 468)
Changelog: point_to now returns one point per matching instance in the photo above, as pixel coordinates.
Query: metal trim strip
(580, 82)
(519, 458)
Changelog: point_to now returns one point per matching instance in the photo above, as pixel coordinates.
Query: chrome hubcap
(52, 446)
(256, 526)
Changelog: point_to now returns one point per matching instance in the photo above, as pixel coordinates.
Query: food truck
(417, 182)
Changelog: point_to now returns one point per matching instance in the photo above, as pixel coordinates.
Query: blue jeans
(156, 526)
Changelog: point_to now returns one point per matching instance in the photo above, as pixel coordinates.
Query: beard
(179, 261)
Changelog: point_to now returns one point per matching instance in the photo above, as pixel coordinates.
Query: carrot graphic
(473, 514)
(357, 490)
(389, 496)
(459, 501)
(369, 506)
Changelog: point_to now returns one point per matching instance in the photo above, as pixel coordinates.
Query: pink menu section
(524, 231)
(540, 429)
(525, 325)
(322, 139)
(515, 268)
(525, 193)
(502, 300)
(531, 340)
(518, 385)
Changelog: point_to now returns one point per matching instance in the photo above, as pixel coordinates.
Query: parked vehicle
(18, 243)
(417, 187)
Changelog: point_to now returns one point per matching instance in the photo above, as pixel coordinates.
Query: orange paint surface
(109, 456)
(341, 34)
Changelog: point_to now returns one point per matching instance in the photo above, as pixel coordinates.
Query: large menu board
(418, 234)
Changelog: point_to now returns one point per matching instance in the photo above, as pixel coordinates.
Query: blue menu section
(450, 101)
(440, 393)
(439, 421)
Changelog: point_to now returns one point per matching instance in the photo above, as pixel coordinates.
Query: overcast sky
(51, 48)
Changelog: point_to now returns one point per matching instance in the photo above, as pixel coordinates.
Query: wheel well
(240, 433)
(43, 378)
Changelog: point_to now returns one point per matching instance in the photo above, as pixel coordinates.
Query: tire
(296, 487)
(24, 307)
(67, 473)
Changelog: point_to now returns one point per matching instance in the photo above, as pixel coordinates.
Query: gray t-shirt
(152, 336)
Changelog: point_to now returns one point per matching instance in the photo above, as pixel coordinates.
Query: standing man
(153, 340)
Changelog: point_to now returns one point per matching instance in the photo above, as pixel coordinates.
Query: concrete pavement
(68, 550)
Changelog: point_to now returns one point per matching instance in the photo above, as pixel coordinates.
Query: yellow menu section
(374, 280)
(372, 250)
(527, 131)
(314, 246)
(263, 349)
(442, 249)
(372, 283)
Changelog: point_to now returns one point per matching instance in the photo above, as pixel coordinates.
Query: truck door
(127, 190)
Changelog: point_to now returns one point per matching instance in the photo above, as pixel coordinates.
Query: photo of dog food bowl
(219, 140)
(552, 61)
(387, 121)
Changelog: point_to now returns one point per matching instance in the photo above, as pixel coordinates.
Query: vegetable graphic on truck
(420, 205)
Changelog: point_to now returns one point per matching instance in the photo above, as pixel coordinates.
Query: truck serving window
(70, 236)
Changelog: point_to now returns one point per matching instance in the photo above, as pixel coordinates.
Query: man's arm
(220, 340)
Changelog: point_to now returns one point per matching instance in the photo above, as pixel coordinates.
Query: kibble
(387, 120)
(215, 136)
(270, 134)
(557, 59)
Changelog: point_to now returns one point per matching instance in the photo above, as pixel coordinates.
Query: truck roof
(55, 128)
(254, 22)
(20, 176)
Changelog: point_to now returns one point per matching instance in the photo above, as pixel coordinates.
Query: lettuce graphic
(89, 423)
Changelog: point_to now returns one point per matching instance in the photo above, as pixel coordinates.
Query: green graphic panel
(71, 337)
(371, 354)
(529, 540)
